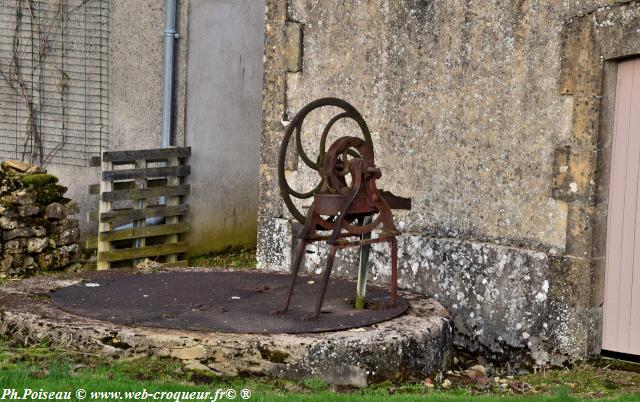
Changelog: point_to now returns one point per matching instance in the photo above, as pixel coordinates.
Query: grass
(4, 280)
(228, 258)
(52, 369)
(596, 379)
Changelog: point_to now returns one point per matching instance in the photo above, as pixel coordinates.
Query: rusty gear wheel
(288, 193)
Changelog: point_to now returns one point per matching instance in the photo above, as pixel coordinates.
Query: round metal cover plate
(223, 301)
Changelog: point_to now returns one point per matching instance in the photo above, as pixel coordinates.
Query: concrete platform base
(415, 344)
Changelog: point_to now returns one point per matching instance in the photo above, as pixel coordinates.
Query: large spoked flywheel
(348, 112)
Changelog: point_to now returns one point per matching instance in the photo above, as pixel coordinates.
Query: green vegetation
(595, 379)
(54, 369)
(4, 279)
(39, 179)
(228, 258)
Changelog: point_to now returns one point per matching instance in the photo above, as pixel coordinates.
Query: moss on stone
(39, 180)
(53, 193)
(222, 240)
(236, 257)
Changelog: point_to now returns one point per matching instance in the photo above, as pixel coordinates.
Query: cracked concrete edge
(413, 345)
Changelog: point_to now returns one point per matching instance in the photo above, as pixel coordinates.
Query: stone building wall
(491, 116)
(131, 61)
(223, 121)
(218, 71)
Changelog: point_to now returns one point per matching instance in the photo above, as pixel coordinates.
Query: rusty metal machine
(346, 201)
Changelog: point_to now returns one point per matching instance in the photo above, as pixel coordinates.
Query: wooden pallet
(132, 185)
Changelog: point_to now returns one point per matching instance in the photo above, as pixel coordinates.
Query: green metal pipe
(361, 288)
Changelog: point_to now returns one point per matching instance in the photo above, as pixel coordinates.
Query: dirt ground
(594, 378)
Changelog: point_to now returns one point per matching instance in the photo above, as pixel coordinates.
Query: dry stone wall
(38, 232)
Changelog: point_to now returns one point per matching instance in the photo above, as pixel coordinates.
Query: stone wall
(38, 232)
(487, 114)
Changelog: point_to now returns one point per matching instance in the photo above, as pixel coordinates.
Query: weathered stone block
(39, 231)
(570, 332)
(15, 246)
(274, 86)
(274, 251)
(603, 176)
(594, 321)
(23, 266)
(65, 255)
(617, 30)
(71, 208)
(36, 170)
(598, 266)
(599, 232)
(28, 210)
(276, 10)
(6, 262)
(29, 263)
(293, 46)
(581, 67)
(574, 175)
(51, 193)
(18, 260)
(189, 353)
(54, 211)
(271, 144)
(19, 232)
(570, 280)
(586, 115)
(580, 231)
(16, 165)
(68, 236)
(19, 197)
(7, 223)
(270, 200)
(8, 211)
(37, 244)
(61, 225)
(45, 260)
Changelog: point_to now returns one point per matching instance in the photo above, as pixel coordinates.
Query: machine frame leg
(325, 282)
(302, 245)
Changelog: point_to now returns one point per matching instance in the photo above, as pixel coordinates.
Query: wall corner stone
(293, 46)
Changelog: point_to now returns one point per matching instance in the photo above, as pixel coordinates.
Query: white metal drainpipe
(170, 36)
